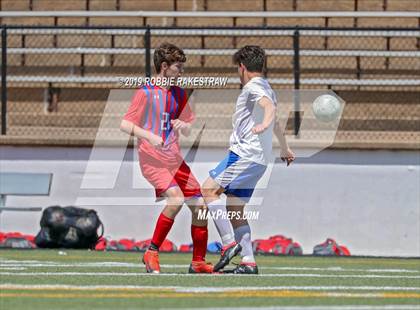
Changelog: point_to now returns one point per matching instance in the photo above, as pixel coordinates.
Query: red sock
(199, 236)
(163, 226)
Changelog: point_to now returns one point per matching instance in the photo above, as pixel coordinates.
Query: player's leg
(241, 228)
(242, 232)
(219, 180)
(199, 235)
(199, 232)
(174, 202)
(246, 176)
(211, 191)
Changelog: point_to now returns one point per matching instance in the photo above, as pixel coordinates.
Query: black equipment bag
(69, 227)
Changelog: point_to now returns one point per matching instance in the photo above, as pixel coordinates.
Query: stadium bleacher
(376, 116)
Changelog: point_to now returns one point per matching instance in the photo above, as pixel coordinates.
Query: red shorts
(164, 177)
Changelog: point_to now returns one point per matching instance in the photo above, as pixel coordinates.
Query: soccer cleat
(151, 260)
(200, 267)
(228, 252)
(244, 268)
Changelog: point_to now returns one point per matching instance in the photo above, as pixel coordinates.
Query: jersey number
(164, 123)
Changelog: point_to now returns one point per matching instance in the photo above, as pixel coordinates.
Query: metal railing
(289, 65)
(211, 14)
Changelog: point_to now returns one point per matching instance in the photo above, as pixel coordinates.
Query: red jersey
(152, 108)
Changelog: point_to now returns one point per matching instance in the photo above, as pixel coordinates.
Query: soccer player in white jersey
(249, 152)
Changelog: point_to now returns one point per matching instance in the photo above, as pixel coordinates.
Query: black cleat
(244, 269)
(227, 254)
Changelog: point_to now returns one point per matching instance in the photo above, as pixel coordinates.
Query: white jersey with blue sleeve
(253, 147)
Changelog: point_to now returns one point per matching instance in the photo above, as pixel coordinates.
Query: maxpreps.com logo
(228, 215)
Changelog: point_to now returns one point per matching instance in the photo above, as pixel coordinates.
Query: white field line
(340, 269)
(324, 294)
(356, 295)
(135, 265)
(218, 289)
(354, 307)
(2, 260)
(137, 274)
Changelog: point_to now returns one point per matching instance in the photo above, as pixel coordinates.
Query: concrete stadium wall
(366, 200)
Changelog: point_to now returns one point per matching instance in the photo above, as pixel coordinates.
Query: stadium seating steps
(371, 117)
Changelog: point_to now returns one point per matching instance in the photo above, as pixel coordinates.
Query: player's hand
(287, 155)
(178, 125)
(257, 129)
(156, 141)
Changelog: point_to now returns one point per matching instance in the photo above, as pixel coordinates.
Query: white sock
(243, 236)
(223, 225)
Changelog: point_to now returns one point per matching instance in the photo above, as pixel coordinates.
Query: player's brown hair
(168, 53)
(251, 56)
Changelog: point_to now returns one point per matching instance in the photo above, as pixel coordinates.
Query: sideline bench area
(23, 184)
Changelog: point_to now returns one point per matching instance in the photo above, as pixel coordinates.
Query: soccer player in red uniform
(157, 116)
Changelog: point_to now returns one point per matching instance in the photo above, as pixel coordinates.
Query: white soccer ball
(326, 108)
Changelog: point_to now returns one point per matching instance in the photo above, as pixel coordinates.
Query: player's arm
(140, 133)
(186, 131)
(183, 127)
(185, 119)
(269, 115)
(133, 116)
(286, 154)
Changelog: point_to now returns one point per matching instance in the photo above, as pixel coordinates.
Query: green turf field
(45, 279)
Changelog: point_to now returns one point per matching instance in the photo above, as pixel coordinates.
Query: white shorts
(238, 176)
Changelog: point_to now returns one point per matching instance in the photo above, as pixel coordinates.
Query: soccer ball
(326, 108)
